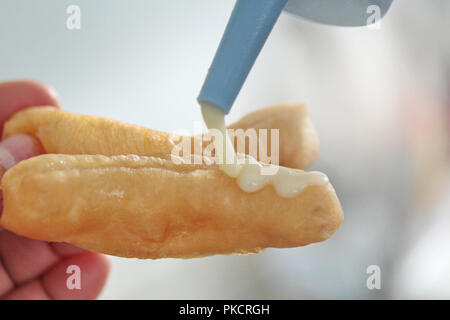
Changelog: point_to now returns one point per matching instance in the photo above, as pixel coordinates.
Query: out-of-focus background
(380, 100)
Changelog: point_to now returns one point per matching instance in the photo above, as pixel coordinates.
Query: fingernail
(2, 172)
(13, 150)
(7, 160)
(17, 148)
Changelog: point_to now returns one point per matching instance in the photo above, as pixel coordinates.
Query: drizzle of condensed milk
(250, 174)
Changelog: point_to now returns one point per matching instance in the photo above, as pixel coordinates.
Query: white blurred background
(380, 100)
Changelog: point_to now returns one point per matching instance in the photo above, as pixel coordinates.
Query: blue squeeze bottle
(248, 28)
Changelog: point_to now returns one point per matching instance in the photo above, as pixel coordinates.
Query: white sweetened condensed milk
(250, 174)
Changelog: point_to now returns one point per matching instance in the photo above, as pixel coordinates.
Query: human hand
(31, 269)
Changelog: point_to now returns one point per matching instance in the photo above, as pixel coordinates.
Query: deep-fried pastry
(149, 207)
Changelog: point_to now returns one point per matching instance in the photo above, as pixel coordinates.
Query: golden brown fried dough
(69, 133)
(149, 207)
(299, 144)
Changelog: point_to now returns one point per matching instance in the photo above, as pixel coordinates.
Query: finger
(25, 259)
(6, 283)
(94, 269)
(17, 95)
(30, 291)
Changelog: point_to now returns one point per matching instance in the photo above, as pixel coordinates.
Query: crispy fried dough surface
(69, 133)
(149, 207)
(112, 187)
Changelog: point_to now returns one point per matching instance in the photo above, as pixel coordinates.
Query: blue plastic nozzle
(249, 26)
(245, 35)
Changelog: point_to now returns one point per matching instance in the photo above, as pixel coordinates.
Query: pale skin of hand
(31, 269)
